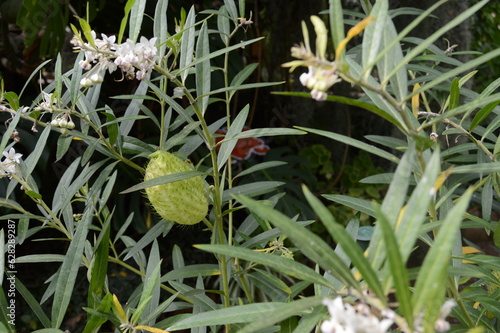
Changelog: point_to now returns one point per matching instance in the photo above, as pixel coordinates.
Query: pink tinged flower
(319, 95)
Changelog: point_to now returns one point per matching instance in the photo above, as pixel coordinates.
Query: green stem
(217, 194)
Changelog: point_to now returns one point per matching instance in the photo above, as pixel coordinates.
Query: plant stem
(217, 195)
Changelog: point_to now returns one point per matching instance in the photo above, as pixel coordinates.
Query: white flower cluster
(135, 60)
(319, 81)
(347, 319)
(8, 166)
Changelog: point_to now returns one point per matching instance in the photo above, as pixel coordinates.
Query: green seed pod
(183, 201)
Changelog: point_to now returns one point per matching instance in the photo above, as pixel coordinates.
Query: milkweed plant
(271, 272)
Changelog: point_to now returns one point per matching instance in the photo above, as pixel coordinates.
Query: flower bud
(86, 82)
(70, 125)
(63, 123)
(55, 122)
(96, 78)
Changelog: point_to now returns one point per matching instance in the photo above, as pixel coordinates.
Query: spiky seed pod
(183, 201)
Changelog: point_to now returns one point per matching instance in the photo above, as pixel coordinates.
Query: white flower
(9, 165)
(48, 102)
(346, 319)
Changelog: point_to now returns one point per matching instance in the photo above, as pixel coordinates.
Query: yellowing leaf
(119, 310)
(150, 329)
(354, 31)
(440, 180)
(400, 216)
(415, 100)
(469, 250)
(358, 28)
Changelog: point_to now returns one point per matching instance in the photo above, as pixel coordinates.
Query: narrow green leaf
(97, 319)
(417, 207)
(242, 76)
(399, 82)
(133, 109)
(223, 24)
(232, 315)
(175, 177)
(353, 142)
(436, 262)
(337, 24)
(259, 132)
(259, 167)
(32, 302)
(454, 94)
(399, 273)
(150, 295)
(112, 127)
(231, 8)
(147, 239)
(286, 311)
(58, 76)
(309, 243)
(160, 26)
(229, 142)
(99, 267)
(480, 168)
(136, 16)
(12, 126)
(190, 271)
(199, 298)
(187, 44)
(280, 264)
(270, 285)
(288, 325)
(66, 281)
(251, 189)
(349, 101)
(361, 205)
(203, 70)
(63, 144)
(32, 160)
(482, 115)
(392, 205)
(348, 244)
(123, 24)
(310, 320)
(373, 35)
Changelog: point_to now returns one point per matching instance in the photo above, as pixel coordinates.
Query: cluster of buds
(135, 60)
(9, 165)
(63, 122)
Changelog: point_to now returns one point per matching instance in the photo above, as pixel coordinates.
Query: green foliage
(267, 271)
